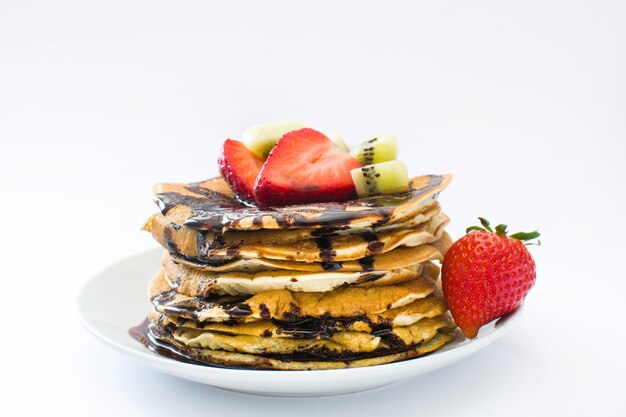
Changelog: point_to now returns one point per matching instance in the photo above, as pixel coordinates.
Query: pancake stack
(317, 286)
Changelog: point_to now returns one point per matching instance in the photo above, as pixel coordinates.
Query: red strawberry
(305, 167)
(486, 275)
(239, 166)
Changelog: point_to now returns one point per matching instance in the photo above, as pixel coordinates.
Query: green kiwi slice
(383, 178)
(382, 148)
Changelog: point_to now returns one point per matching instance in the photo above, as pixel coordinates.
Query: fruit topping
(384, 178)
(260, 139)
(380, 149)
(240, 167)
(305, 166)
(486, 275)
(336, 137)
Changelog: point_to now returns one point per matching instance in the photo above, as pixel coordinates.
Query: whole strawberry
(486, 274)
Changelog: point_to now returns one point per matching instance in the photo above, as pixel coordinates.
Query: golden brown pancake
(400, 257)
(428, 307)
(197, 243)
(163, 338)
(348, 301)
(211, 205)
(340, 247)
(195, 283)
(337, 343)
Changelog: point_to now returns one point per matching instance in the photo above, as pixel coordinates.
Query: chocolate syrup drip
(370, 277)
(331, 266)
(204, 261)
(325, 246)
(201, 244)
(314, 327)
(189, 308)
(141, 333)
(374, 246)
(367, 263)
(326, 231)
(167, 236)
(265, 312)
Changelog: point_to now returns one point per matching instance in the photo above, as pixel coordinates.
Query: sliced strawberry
(239, 166)
(305, 167)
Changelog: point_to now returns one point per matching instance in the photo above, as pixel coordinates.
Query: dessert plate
(115, 300)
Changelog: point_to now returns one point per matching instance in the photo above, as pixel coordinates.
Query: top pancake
(211, 205)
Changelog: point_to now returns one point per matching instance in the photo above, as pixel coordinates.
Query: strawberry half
(240, 167)
(305, 167)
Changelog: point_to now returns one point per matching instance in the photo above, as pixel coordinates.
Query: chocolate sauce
(331, 266)
(217, 212)
(189, 307)
(201, 244)
(264, 311)
(367, 263)
(369, 277)
(325, 246)
(237, 310)
(314, 327)
(374, 246)
(167, 236)
(141, 334)
(153, 335)
(212, 262)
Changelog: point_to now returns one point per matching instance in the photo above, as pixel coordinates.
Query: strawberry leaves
(525, 237)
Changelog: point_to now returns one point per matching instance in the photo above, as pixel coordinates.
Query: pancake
(400, 257)
(161, 339)
(428, 307)
(211, 205)
(195, 283)
(334, 345)
(197, 243)
(340, 247)
(347, 301)
(335, 248)
(313, 286)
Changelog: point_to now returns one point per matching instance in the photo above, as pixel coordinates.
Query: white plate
(116, 299)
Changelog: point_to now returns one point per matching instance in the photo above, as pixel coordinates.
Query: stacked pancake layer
(322, 286)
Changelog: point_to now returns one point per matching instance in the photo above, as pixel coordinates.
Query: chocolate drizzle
(153, 335)
(215, 211)
(167, 236)
(325, 246)
(190, 307)
(374, 246)
(143, 334)
(331, 266)
(367, 263)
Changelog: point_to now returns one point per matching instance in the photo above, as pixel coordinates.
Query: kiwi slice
(384, 178)
(380, 149)
(336, 137)
(260, 139)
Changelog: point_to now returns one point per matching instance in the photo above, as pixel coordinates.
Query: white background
(524, 101)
